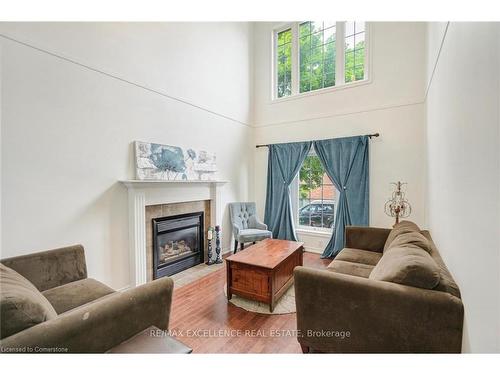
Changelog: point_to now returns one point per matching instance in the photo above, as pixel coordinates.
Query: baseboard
(314, 250)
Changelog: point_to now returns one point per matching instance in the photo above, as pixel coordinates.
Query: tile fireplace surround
(145, 198)
(163, 210)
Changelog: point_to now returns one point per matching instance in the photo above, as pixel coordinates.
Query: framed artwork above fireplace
(155, 161)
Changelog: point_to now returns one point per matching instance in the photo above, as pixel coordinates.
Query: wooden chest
(263, 272)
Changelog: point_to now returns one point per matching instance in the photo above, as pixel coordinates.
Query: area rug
(285, 305)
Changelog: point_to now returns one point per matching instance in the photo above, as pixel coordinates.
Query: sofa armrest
(101, 325)
(51, 268)
(366, 238)
(379, 316)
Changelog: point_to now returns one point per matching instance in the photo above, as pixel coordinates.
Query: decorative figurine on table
(398, 206)
(217, 245)
(210, 235)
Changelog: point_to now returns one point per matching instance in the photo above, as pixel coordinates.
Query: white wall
(390, 104)
(435, 38)
(206, 64)
(463, 140)
(67, 129)
(0, 147)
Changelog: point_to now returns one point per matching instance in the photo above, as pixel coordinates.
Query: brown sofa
(349, 308)
(49, 305)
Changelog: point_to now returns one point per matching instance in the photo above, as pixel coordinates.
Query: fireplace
(178, 243)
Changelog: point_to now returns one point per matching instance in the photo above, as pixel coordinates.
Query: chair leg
(235, 246)
(242, 246)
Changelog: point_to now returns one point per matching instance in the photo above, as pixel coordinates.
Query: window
(313, 55)
(284, 63)
(354, 51)
(316, 196)
(317, 55)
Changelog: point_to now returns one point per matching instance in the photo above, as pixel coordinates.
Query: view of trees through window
(317, 55)
(354, 51)
(284, 54)
(316, 195)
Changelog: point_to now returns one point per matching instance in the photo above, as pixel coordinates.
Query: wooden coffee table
(263, 272)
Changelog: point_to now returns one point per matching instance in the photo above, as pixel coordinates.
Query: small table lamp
(397, 206)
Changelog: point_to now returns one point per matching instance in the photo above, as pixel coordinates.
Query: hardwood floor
(204, 320)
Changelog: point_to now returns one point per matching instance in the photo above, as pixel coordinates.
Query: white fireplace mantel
(142, 193)
(131, 184)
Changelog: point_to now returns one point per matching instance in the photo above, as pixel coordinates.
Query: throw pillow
(411, 239)
(408, 266)
(403, 227)
(21, 303)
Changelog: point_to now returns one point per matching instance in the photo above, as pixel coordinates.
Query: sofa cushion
(411, 239)
(409, 265)
(359, 256)
(51, 268)
(446, 283)
(21, 304)
(403, 227)
(252, 235)
(350, 268)
(77, 293)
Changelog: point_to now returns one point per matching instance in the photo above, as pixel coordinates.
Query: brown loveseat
(49, 305)
(353, 307)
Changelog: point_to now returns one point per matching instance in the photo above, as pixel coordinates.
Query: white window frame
(294, 193)
(340, 83)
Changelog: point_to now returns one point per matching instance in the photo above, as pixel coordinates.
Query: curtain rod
(368, 135)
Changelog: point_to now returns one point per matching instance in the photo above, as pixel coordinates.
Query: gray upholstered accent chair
(246, 226)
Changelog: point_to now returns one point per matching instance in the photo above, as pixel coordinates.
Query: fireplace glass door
(177, 243)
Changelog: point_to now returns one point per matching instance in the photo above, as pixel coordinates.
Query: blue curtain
(346, 163)
(284, 162)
